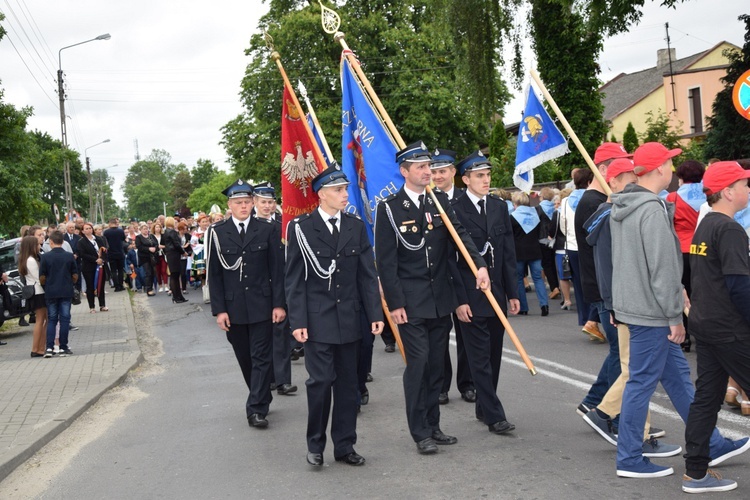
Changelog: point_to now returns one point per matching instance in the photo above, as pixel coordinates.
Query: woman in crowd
(173, 250)
(185, 243)
(197, 243)
(147, 248)
(91, 250)
(526, 234)
(160, 264)
(28, 267)
(546, 209)
(557, 233)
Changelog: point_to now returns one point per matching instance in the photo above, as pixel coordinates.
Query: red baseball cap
(610, 150)
(619, 166)
(652, 155)
(723, 174)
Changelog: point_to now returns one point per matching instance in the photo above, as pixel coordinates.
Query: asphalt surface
(188, 437)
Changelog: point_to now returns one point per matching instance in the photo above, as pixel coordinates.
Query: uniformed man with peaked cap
(415, 254)
(245, 272)
(330, 277)
(487, 220)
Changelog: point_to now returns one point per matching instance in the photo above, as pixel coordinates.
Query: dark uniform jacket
(330, 310)
(419, 280)
(501, 259)
(249, 293)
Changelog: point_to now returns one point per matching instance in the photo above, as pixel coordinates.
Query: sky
(170, 75)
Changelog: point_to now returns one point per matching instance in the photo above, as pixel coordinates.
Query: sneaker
(601, 425)
(65, 352)
(712, 481)
(645, 469)
(48, 353)
(728, 450)
(655, 432)
(73, 328)
(56, 349)
(653, 448)
(582, 409)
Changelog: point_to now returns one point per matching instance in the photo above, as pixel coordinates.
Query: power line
(31, 42)
(7, 36)
(37, 32)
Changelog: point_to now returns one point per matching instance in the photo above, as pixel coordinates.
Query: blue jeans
(535, 266)
(58, 310)
(610, 369)
(653, 359)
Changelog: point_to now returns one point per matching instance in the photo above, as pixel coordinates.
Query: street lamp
(88, 171)
(63, 127)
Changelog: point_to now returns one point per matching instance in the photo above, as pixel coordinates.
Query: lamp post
(88, 171)
(63, 127)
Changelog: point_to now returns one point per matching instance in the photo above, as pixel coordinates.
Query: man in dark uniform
(443, 171)
(330, 275)
(414, 254)
(487, 220)
(264, 198)
(245, 268)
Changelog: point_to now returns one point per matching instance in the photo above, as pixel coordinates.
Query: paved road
(187, 437)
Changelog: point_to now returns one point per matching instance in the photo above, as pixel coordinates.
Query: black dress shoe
(352, 458)
(479, 413)
(427, 446)
(315, 459)
(285, 389)
(257, 420)
(179, 301)
(469, 396)
(369, 377)
(294, 356)
(273, 386)
(390, 348)
(299, 351)
(443, 398)
(365, 398)
(501, 427)
(441, 438)
(545, 310)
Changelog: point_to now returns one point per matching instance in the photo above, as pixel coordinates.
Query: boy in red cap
(719, 316)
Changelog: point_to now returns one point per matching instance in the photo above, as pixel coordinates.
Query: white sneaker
(56, 349)
(161, 289)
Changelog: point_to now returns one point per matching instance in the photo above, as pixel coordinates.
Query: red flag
(298, 165)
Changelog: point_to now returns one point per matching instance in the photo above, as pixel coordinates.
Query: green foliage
(694, 150)
(146, 199)
(659, 129)
(612, 138)
(502, 155)
(566, 51)
(407, 54)
(101, 189)
(630, 138)
(202, 198)
(203, 172)
(182, 186)
(728, 135)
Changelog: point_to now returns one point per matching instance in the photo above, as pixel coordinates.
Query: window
(696, 110)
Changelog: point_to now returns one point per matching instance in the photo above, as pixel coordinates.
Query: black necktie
(242, 231)
(335, 232)
(421, 207)
(481, 209)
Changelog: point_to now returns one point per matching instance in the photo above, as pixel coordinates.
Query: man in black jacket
(415, 254)
(487, 220)
(330, 275)
(115, 236)
(245, 273)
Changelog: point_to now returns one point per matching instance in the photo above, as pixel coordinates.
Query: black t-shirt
(719, 248)
(588, 204)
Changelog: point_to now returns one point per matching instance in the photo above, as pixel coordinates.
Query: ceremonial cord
(308, 255)
(406, 244)
(214, 241)
(488, 246)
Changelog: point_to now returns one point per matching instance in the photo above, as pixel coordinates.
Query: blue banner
(539, 141)
(368, 152)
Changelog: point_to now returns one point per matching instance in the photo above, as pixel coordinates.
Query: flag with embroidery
(368, 152)
(298, 164)
(539, 141)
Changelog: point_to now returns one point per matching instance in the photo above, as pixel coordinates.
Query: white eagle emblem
(300, 171)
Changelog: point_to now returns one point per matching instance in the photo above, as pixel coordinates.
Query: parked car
(12, 305)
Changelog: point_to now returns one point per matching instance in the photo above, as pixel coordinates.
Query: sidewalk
(40, 397)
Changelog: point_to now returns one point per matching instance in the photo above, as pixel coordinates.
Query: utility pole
(671, 73)
(64, 133)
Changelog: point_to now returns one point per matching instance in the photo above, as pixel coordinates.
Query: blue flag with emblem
(539, 141)
(368, 152)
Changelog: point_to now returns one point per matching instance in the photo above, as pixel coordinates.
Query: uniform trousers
(365, 353)
(252, 348)
(483, 339)
(716, 362)
(424, 342)
(463, 374)
(332, 370)
(282, 353)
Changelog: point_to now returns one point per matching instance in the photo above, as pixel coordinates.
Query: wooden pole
(314, 117)
(571, 133)
(339, 37)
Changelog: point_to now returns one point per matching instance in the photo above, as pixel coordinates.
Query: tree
(203, 172)
(182, 186)
(101, 188)
(728, 135)
(204, 197)
(566, 51)
(660, 129)
(146, 200)
(630, 138)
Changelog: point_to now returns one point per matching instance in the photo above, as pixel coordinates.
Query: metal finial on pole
(329, 19)
(269, 40)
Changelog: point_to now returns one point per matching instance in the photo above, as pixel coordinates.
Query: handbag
(567, 272)
(76, 300)
(27, 291)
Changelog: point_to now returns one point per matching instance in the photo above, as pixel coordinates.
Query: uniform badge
(407, 204)
(402, 229)
(429, 200)
(429, 226)
(414, 229)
